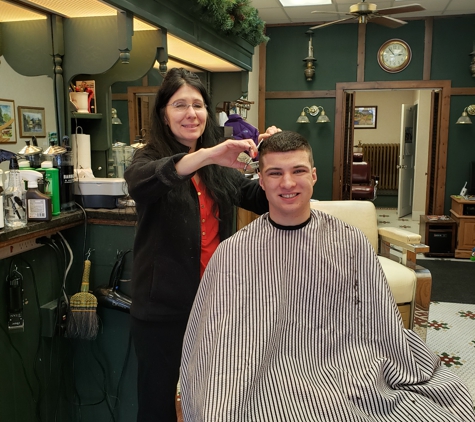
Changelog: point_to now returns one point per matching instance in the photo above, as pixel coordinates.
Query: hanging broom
(83, 321)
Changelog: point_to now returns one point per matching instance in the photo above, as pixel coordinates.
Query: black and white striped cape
(300, 325)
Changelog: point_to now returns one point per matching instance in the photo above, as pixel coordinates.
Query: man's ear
(260, 180)
(314, 175)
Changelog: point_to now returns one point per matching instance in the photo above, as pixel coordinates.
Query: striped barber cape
(299, 324)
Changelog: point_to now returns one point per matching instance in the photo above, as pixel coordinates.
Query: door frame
(437, 162)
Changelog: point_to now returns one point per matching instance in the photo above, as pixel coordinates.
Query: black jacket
(166, 269)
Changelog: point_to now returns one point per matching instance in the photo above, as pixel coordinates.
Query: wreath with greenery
(234, 17)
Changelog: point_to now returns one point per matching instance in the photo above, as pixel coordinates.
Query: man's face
(288, 179)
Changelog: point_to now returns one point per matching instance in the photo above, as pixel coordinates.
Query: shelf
(90, 116)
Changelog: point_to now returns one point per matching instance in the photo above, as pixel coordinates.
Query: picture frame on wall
(31, 121)
(365, 117)
(7, 122)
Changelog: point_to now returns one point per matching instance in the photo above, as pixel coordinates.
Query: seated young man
(294, 321)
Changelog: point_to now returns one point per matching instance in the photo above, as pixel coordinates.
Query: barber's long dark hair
(164, 144)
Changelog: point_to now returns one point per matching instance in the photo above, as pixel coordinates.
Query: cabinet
(463, 212)
(440, 235)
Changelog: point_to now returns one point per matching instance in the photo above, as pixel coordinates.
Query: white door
(406, 161)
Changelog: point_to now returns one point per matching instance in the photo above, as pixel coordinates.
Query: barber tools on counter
(32, 152)
(122, 155)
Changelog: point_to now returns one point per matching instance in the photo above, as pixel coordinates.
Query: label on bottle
(37, 209)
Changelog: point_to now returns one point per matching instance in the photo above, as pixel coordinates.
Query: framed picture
(31, 121)
(7, 122)
(365, 117)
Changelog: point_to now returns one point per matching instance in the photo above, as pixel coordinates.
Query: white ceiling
(272, 11)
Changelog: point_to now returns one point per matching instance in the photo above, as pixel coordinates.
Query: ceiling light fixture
(313, 111)
(310, 68)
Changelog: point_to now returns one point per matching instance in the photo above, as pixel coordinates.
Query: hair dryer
(110, 296)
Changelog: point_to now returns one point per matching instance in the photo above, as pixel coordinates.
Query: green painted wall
(56, 378)
(335, 48)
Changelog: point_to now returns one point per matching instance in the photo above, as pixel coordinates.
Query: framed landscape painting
(31, 121)
(7, 122)
(365, 117)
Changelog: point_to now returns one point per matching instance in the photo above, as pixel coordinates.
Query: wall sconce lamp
(115, 119)
(310, 68)
(464, 119)
(313, 111)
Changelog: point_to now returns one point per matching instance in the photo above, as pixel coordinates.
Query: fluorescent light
(290, 3)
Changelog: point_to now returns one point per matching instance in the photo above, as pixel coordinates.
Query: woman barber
(185, 185)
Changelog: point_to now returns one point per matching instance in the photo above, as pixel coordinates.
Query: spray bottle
(2, 195)
(52, 185)
(38, 204)
(15, 199)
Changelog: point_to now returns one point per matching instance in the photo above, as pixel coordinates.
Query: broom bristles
(83, 321)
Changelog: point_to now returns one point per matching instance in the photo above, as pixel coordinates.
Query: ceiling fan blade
(401, 9)
(332, 22)
(387, 21)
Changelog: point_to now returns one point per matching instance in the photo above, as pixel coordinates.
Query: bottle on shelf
(52, 185)
(15, 198)
(38, 205)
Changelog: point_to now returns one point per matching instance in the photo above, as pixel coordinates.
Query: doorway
(437, 136)
(396, 146)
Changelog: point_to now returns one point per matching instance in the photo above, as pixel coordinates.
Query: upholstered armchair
(409, 283)
(363, 183)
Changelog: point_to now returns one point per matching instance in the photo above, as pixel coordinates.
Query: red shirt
(209, 226)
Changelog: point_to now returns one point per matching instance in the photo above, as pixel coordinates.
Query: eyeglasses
(182, 107)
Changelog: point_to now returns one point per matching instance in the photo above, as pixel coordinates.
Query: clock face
(394, 55)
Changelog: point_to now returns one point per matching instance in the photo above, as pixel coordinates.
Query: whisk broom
(83, 321)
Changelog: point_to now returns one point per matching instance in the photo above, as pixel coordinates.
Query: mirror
(25, 87)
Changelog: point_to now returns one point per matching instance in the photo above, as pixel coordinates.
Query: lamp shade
(464, 119)
(323, 118)
(303, 118)
(115, 119)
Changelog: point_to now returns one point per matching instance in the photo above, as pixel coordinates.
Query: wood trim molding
(300, 94)
(440, 165)
(429, 30)
(462, 91)
(360, 70)
(261, 109)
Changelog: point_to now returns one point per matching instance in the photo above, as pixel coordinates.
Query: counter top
(66, 220)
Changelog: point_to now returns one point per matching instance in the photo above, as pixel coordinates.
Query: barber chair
(409, 283)
(363, 184)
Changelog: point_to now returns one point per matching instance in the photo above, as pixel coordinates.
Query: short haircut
(285, 141)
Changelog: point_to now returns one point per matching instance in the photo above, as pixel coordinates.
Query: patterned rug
(451, 335)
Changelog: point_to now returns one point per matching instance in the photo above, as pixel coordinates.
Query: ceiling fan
(365, 12)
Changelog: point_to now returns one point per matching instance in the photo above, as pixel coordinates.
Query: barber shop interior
(134, 167)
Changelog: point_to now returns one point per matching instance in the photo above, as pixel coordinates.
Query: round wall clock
(394, 55)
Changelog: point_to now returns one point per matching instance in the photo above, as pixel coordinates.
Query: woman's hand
(224, 154)
(269, 131)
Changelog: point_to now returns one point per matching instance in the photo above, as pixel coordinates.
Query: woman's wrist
(192, 162)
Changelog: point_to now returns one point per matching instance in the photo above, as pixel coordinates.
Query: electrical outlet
(19, 247)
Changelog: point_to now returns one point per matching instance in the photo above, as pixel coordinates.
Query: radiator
(383, 159)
